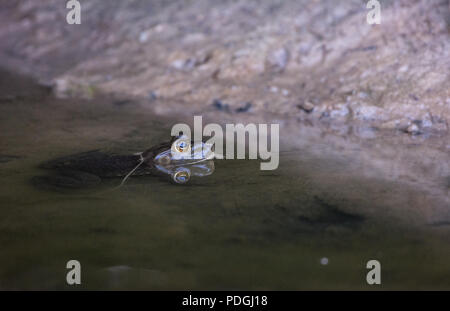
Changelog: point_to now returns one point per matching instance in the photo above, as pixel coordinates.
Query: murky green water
(240, 228)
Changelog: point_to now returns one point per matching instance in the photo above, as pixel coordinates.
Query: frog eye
(182, 146)
(181, 176)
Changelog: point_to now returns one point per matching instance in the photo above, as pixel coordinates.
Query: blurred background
(284, 57)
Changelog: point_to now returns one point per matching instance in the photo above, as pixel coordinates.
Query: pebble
(363, 95)
(143, 37)
(427, 123)
(190, 63)
(178, 64)
(413, 129)
(368, 112)
(404, 68)
(152, 96)
(339, 111)
(306, 106)
(217, 103)
(274, 89)
(244, 108)
(392, 124)
(278, 59)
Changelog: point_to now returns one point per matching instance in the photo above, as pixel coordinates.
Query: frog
(179, 159)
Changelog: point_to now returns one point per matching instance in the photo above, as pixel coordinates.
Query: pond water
(313, 223)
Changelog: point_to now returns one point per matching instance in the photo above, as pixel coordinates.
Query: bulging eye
(181, 146)
(181, 177)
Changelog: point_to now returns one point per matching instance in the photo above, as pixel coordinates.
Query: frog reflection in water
(167, 159)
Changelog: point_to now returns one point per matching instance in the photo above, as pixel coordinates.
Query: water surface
(240, 228)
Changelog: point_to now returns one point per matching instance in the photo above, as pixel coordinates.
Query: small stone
(218, 104)
(413, 97)
(368, 113)
(324, 261)
(363, 95)
(152, 96)
(306, 106)
(427, 123)
(274, 89)
(413, 129)
(390, 125)
(285, 92)
(404, 68)
(278, 59)
(244, 108)
(178, 64)
(143, 37)
(340, 110)
(191, 62)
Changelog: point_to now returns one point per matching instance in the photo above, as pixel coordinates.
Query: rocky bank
(314, 61)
